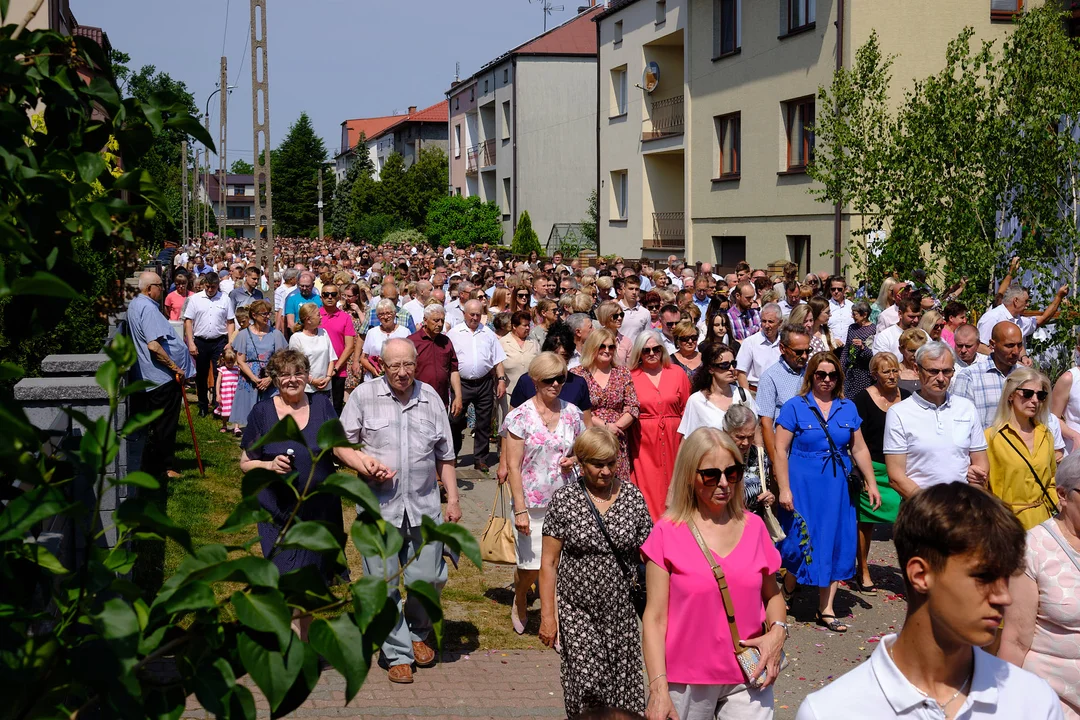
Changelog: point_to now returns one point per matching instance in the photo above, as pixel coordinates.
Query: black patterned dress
(601, 643)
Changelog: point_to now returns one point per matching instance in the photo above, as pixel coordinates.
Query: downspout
(513, 140)
(598, 203)
(837, 218)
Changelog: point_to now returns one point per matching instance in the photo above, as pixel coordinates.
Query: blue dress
(256, 351)
(819, 489)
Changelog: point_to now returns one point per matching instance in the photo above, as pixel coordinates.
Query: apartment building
(744, 76)
(352, 131)
(239, 201)
(522, 130)
(409, 134)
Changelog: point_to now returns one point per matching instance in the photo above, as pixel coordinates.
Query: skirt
(529, 546)
(890, 500)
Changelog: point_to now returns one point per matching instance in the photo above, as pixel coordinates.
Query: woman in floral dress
(611, 390)
(540, 436)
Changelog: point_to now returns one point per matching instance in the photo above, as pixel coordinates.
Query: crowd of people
(685, 451)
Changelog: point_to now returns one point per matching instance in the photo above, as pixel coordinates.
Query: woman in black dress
(857, 351)
(596, 622)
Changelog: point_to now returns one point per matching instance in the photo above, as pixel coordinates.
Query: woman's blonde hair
(606, 310)
(582, 303)
(798, 315)
(884, 298)
(306, 311)
(604, 283)
(930, 319)
(500, 298)
(682, 498)
(811, 367)
(596, 338)
(545, 365)
(683, 329)
(597, 444)
(1016, 379)
(883, 358)
(913, 336)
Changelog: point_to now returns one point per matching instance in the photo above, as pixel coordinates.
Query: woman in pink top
(174, 301)
(689, 655)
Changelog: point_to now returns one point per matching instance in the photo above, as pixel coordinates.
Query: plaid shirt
(778, 384)
(744, 324)
(981, 383)
(403, 318)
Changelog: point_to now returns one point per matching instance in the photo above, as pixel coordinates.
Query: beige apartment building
(723, 178)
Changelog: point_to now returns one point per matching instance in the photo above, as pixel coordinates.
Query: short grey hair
(738, 416)
(1068, 475)
(290, 274)
(774, 309)
(307, 273)
(385, 304)
(577, 321)
(934, 350)
(432, 309)
(1014, 292)
(399, 343)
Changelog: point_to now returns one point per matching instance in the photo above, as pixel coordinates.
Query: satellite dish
(650, 78)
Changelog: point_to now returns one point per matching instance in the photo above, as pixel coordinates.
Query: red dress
(656, 438)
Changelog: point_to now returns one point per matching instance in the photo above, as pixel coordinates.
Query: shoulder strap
(742, 393)
(1064, 546)
(721, 583)
(603, 529)
(1046, 494)
(824, 425)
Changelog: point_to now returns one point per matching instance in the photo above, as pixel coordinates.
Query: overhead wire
(225, 33)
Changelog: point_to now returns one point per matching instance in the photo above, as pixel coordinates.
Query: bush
(376, 226)
(404, 237)
(464, 222)
(525, 239)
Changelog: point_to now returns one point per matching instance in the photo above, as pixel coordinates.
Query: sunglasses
(617, 316)
(725, 365)
(710, 477)
(606, 346)
(1027, 394)
(797, 353)
(654, 350)
(672, 323)
(329, 294)
(822, 376)
(552, 380)
(653, 307)
(934, 372)
(523, 295)
(688, 338)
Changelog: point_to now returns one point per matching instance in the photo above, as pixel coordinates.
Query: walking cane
(191, 425)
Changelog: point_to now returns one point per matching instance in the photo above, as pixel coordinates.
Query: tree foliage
(590, 224)
(525, 238)
(294, 176)
(242, 167)
(343, 197)
(464, 222)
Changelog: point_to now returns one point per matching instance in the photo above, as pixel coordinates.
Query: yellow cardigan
(1011, 479)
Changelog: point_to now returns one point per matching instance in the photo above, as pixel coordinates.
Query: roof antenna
(548, 9)
(457, 71)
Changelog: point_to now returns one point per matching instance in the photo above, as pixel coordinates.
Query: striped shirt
(778, 384)
(744, 323)
(230, 378)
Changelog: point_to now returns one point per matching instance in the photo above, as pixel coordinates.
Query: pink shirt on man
(698, 644)
(338, 327)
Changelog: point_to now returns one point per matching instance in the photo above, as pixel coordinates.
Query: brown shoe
(401, 674)
(424, 656)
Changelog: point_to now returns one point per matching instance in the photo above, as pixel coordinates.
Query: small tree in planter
(525, 239)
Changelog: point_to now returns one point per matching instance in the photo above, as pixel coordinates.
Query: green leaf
(284, 429)
(264, 611)
(118, 560)
(139, 512)
(140, 421)
(108, 377)
(136, 387)
(353, 488)
(196, 595)
(303, 655)
(369, 597)
(428, 596)
(247, 512)
(213, 684)
(39, 555)
(255, 571)
(376, 538)
(268, 669)
(27, 509)
(454, 536)
(312, 536)
(332, 435)
(10, 371)
(119, 626)
(339, 641)
(305, 587)
(137, 479)
(90, 166)
(255, 480)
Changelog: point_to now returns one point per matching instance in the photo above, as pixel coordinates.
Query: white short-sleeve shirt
(319, 351)
(756, 354)
(700, 412)
(938, 440)
(1027, 325)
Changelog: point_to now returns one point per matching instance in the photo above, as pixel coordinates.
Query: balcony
(471, 160)
(665, 119)
(669, 231)
(487, 154)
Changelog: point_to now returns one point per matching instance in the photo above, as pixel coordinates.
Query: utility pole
(264, 246)
(206, 181)
(196, 218)
(222, 125)
(320, 204)
(184, 189)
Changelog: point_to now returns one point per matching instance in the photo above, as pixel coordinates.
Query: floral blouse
(541, 475)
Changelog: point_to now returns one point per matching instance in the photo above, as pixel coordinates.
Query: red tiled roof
(371, 127)
(437, 113)
(574, 37)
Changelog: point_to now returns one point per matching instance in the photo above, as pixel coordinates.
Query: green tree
(343, 195)
(590, 224)
(242, 167)
(525, 239)
(464, 222)
(392, 197)
(426, 179)
(294, 176)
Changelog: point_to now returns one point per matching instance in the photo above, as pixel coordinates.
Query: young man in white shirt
(957, 546)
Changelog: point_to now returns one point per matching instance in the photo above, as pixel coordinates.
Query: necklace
(543, 411)
(929, 697)
(596, 499)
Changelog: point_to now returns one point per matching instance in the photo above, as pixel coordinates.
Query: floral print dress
(541, 475)
(611, 402)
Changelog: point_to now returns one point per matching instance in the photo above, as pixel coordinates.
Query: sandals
(870, 589)
(788, 594)
(223, 430)
(833, 624)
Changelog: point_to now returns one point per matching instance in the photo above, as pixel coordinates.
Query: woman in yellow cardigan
(1021, 449)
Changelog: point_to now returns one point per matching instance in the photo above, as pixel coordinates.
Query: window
(800, 14)
(238, 190)
(506, 120)
(730, 251)
(1005, 9)
(485, 87)
(661, 11)
(506, 75)
(727, 27)
(457, 191)
(618, 91)
(619, 195)
(798, 117)
(472, 93)
(457, 140)
(456, 103)
(238, 212)
(618, 32)
(506, 198)
(799, 251)
(728, 136)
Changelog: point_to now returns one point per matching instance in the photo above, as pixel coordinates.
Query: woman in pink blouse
(689, 655)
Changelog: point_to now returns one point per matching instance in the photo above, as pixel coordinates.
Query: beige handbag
(776, 533)
(497, 540)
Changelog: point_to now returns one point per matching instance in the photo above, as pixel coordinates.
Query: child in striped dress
(228, 378)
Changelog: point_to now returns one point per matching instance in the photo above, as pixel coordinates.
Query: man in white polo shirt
(958, 547)
(205, 321)
(934, 437)
(1012, 309)
(761, 350)
(636, 317)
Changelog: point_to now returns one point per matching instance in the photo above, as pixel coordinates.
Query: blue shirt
(295, 300)
(574, 391)
(146, 323)
(778, 384)
(981, 383)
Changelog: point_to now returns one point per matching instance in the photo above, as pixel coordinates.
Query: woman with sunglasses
(545, 314)
(254, 345)
(691, 668)
(1020, 447)
(611, 391)
(520, 300)
(818, 441)
(354, 303)
(610, 317)
(910, 341)
(662, 391)
(653, 302)
(714, 391)
(540, 435)
(686, 355)
(314, 342)
(933, 323)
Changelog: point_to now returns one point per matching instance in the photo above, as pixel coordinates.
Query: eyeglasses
(395, 367)
(672, 324)
(725, 365)
(836, 289)
(797, 352)
(302, 377)
(939, 326)
(523, 295)
(822, 376)
(330, 294)
(262, 314)
(688, 339)
(710, 477)
(888, 373)
(934, 372)
(654, 350)
(560, 379)
(155, 285)
(652, 307)
(606, 346)
(1027, 394)
(617, 316)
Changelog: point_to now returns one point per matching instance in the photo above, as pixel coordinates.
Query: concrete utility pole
(264, 246)
(222, 159)
(320, 203)
(184, 188)
(206, 181)
(196, 218)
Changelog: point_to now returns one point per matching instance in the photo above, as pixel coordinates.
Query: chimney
(412, 109)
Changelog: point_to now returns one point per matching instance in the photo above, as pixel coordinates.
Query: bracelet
(657, 678)
(520, 512)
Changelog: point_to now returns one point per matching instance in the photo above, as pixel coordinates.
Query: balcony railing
(472, 156)
(665, 119)
(669, 230)
(487, 153)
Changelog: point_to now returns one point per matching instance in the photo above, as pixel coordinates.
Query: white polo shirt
(756, 354)
(840, 319)
(635, 320)
(207, 315)
(888, 340)
(877, 689)
(938, 440)
(993, 316)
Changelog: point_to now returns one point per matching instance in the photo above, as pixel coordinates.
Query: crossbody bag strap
(824, 426)
(1064, 546)
(721, 583)
(603, 530)
(1045, 492)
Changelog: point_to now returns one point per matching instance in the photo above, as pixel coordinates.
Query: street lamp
(206, 115)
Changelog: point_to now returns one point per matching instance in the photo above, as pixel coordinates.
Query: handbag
(855, 481)
(749, 658)
(636, 577)
(497, 540)
(776, 532)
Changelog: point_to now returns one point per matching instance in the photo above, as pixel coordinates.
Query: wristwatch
(787, 630)
(502, 378)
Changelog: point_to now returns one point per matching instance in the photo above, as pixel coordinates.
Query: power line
(225, 34)
(243, 55)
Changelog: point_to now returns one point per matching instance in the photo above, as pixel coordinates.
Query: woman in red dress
(662, 391)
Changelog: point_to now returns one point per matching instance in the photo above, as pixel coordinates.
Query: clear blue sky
(334, 59)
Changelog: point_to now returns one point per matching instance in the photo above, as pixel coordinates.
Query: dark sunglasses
(797, 353)
(523, 295)
(617, 316)
(710, 477)
(726, 365)
(672, 324)
(688, 338)
(653, 307)
(934, 372)
(552, 380)
(1027, 394)
(329, 294)
(821, 375)
(606, 346)
(654, 350)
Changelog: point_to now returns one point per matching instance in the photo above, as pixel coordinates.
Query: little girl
(228, 377)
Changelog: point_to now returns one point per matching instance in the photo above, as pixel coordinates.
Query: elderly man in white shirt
(480, 362)
(761, 350)
(206, 333)
(961, 545)
(1012, 308)
(934, 437)
(416, 305)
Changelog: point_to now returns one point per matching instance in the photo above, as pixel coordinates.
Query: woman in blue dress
(254, 345)
(817, 509)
